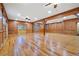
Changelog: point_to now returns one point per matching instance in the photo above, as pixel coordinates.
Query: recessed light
(78, 23)
(64, 17)
(49, 11)
(19, 14)
(78, 14)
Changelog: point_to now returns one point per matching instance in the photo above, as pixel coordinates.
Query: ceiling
(35, 11)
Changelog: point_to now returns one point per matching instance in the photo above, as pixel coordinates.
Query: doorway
(21, 29)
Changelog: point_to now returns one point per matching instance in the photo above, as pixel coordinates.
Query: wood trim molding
(63, 21)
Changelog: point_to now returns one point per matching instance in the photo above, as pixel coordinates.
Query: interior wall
(14, 24)
(0, 25)
(56, 27)
(66, 27)
(3, 24)
(70, 26)
(12, 27)
(39, 27)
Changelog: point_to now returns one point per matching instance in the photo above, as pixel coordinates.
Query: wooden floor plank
(31, 44)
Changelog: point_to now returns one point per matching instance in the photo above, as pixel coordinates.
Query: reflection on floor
(34, 44)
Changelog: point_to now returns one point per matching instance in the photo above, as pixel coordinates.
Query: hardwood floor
(36, 44)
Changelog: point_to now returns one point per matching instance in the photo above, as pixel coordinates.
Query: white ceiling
(35, 11)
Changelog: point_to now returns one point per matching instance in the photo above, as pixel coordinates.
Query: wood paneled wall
(0, 38)
(66, 27)
(56, 27)
(3, 32)
(0, 26)
(70, 26)
(28, 26)
(12, 26)
(41, 27)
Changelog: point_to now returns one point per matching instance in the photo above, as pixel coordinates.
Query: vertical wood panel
(70, 26)
(66, 27)
(14, 24)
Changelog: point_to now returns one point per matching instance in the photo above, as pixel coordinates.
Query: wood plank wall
(70, 26)
(3, 35)
(0, 26)
(66, 27)
(41, 28)
(12, 26)
(56, 27)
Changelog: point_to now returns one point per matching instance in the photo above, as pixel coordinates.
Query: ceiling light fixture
(18, 14)
(78, 14)
(49, 11)
(64, 17)
(78, 23)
